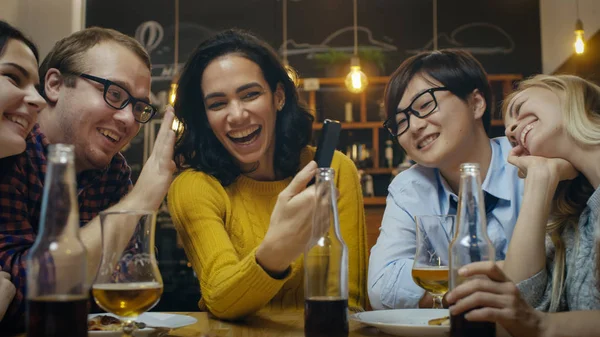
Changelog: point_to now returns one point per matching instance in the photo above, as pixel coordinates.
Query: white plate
(405, 322)
(168, 321)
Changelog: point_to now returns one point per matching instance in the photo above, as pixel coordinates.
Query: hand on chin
(552, 168)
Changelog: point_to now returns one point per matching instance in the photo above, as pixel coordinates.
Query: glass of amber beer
(430, 267)
(128, 282)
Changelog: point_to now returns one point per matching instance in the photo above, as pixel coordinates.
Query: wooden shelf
(384, 79)
(374, 201)
(504, 77)
(353, 125)
(379, 170)
(379, 125)
(341, 80)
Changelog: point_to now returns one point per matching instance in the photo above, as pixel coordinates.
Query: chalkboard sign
(503, 34)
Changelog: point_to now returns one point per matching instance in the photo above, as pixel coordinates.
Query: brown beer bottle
(326, 266)
(57, 292)
(470, 244)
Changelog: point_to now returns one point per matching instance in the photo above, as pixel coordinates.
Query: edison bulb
(292, 73)
(356, 80)
(177, 127)
(579, 44)
(173, 94)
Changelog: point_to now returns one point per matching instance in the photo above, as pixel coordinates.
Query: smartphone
(330, 134)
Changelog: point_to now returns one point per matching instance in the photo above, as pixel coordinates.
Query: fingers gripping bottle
(470, 244)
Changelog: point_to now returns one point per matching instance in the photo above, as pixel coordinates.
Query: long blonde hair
(580, 105)
(598, 252)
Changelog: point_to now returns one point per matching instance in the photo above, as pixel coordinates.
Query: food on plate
(104, 323)
(111, 323)
(440, 321)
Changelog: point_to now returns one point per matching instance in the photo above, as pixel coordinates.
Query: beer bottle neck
(59, 214)
(327, 199)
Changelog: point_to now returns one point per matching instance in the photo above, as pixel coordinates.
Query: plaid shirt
(21, 186)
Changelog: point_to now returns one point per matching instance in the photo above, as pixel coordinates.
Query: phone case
(328, 141)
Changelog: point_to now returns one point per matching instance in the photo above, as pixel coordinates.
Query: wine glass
(430, 267)
(128, 282)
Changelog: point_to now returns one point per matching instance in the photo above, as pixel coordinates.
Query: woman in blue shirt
(439, 108)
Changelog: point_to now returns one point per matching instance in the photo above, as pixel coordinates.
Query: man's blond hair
(67, 54)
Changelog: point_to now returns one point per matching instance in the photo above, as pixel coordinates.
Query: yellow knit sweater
(222, 227)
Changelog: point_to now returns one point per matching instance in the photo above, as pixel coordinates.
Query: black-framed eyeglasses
(118, 97)
(421, 106)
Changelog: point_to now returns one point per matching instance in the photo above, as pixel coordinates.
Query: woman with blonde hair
(553, 123)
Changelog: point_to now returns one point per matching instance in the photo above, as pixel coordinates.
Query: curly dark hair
(455, 69)
(198, 147)
(8, 32)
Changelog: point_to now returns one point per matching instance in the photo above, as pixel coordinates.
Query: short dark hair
(455, 69)
(8, 32)
(198, 147)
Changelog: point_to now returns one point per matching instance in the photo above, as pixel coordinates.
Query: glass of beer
(128, 282)
(430, 267)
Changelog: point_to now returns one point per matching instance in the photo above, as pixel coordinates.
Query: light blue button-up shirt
(423, 191)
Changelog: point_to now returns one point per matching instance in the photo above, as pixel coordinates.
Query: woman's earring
(280, 107)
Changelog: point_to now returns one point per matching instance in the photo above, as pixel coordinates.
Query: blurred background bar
(513, 39)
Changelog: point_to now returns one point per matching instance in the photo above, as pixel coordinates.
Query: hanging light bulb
(176, 126)
(173, 93)
(175, 79)
(579, 44)
(356, 80)
(291, 72)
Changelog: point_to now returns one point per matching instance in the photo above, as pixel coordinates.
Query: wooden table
(281, 324)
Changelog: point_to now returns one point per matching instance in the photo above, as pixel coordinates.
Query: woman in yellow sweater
(242, 207)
